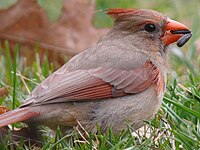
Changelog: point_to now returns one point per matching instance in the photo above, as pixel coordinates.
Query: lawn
(176, 125)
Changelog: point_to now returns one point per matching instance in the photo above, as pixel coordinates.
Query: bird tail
(16, 115)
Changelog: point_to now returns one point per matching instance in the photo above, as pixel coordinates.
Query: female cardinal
(121, 79)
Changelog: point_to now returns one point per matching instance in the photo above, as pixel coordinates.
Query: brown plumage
(120, 79)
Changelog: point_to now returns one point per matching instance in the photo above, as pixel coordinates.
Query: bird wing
(92, 84)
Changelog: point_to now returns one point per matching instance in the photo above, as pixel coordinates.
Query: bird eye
(149, 27)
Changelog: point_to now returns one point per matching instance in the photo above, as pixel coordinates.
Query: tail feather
(16, 115)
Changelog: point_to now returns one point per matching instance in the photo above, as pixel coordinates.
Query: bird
(120, 80)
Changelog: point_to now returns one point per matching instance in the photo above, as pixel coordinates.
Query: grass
(176, 125)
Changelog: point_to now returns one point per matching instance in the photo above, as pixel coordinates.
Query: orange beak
(173, 31)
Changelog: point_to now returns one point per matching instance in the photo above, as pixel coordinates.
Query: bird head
(149, 26)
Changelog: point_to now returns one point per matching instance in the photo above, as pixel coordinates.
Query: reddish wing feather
(159, 82)
(130, 82)
(98, 83)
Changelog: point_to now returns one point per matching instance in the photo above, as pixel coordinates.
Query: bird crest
(115, 12)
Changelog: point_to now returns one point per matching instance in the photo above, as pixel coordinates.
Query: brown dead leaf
(71, 34)
(3, 109)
